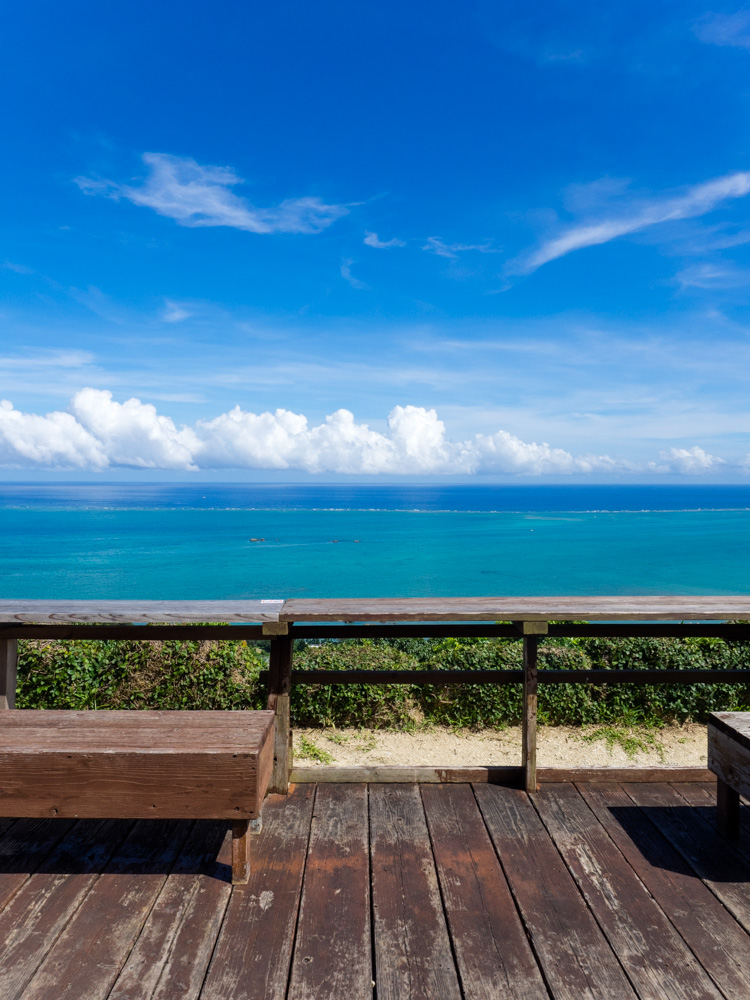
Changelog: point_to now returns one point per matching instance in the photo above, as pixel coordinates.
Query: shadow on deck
(390, 891)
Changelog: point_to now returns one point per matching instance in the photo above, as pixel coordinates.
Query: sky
(471, 241)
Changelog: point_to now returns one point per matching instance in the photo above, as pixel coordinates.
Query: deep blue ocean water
(210, 541)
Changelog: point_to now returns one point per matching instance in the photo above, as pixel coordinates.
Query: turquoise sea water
(197, 541)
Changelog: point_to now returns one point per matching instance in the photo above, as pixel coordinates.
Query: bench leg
(727, 810)
(240, 852)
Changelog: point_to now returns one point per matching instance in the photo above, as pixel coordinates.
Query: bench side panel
(729, 760)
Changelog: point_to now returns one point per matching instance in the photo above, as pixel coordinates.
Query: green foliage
(225, 675)
(307, 750)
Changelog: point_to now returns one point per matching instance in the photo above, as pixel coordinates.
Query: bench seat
(138, 765)
(729, 759)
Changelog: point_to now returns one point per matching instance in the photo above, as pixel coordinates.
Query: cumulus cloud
(194, 195)
(697, 200)
(98, 432)
(372, 240)
(688, 461)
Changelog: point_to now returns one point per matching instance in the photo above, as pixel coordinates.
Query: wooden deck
(611, 891)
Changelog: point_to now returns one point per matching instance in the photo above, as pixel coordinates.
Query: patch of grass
(367, 741)
(340, 739)
(307, 750)
(631, 739)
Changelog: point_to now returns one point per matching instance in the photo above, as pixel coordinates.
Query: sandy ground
(558, 746)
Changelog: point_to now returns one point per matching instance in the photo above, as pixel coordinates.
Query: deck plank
(576, 959)
(254, 951)
(412, 946)
(721, 866)
(332, 955)
(41, 909)
(24, 846)
(171, 955)
(493, 954)
(86, 958)
(647, 945)
(713, 935)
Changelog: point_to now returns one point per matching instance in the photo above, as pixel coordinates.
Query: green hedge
(225, 675)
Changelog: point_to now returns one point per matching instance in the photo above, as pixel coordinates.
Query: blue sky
(508, 240)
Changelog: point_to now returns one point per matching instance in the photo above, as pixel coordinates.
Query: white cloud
(696, 201)
(371, 240)
(725, 29)
(174, 312)
(437, 246)
(715, 276)
(194, 195)
(55, 441)
(346, 274)
(688, 461)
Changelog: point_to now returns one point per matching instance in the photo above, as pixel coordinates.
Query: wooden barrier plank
(575, 957)
(88, 955)
(721, 865)
(254, 950)
(114, 612)
(493, 954)
(172, 953)
(656, 959)
(279, 702)
(610, 608)
(412, 946)
(8, 673)
(707, 927)
(24, 845)
(501, 775)
(43, 907)
(332, 952)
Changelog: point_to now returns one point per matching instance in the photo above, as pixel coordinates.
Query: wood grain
(254, 950)
(24, 845)
(412, 946)
(279, 698)
(575, 957)
(721, 865)
(170, 957)
(8, 671)
(115, 612)
(506, 775)
(493, 954)
(616, 608)
(106, 925)
(332, 953)
(716, 939)
(656, 959)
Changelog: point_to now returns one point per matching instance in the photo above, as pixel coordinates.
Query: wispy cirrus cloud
(636, 216)
(725, 29)
(372, 240)
(346, 274)
(437, 246)
(175, 312)
(194, 195)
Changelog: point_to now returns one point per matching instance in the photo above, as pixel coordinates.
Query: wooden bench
(729, 759)
(139, 765)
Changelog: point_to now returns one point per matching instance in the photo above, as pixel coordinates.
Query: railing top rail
(636, 608)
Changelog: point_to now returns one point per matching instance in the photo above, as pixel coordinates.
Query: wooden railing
(281, 622)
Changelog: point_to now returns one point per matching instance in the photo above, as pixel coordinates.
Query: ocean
(233, 541)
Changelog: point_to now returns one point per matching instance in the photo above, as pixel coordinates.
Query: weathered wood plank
(235, 725)
(530, 698)
(716, 939)
(575, 957)
(87, 957)
(8, 672)
(139, 611)
(24, 845)
(655, 958)
(735, 725)
(253, 954)
(102, 765)
(722, 866)
(615, 608)
(492, 951)
(729, 759)
(412, 947)
(511, 775)
(279, 702)
(332, 951)
(41, 909)
(172, 953)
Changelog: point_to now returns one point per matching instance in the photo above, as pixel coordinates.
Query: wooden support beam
(8, 668)
(240, 852)
(727, 810)
(279, 690)
(528, 735)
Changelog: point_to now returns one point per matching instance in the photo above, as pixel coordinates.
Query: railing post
(8, 665)
(531, 633)
(279, 691)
